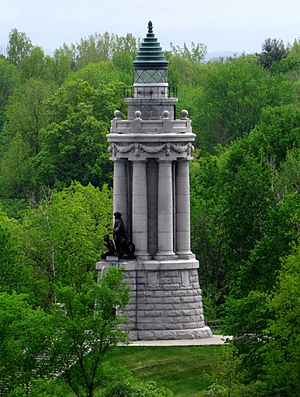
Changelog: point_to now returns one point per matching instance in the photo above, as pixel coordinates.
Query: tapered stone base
(166, 301)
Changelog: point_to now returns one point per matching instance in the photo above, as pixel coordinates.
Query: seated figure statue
(110, 245)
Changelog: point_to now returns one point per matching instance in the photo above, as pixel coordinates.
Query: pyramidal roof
(150, 54)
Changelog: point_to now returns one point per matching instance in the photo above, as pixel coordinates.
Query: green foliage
(71, 341)
(273, 51)
(195, 54)
(226, 374)
(246, 319)
(14, 275)
(277, 132)
(101, 47)
(88, 327)
(9, 80)
(135, 389)
(282, 353)
(98, 75)
(288, 176)
(74, 143)
(25, 335)
(54, 117)
(19, 45)
(260, 270)
(63, 237)
(26, 116)
(58, 240)
(181, 73)
(227, 99)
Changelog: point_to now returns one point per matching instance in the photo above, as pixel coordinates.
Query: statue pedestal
(166, 300)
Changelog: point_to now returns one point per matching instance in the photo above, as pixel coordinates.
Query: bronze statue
(110, 245)
(119, 232)
(119, 246)
(127, 248)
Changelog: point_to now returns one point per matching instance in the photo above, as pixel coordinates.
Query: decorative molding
(138, 148)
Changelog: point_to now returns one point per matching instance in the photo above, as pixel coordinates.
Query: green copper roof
(150, 54)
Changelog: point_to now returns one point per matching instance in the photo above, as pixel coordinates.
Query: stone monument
(151, 151)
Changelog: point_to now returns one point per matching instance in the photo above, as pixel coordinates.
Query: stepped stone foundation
(151, 151)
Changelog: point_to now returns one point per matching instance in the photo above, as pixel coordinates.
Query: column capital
(165, 160)
(138, 160)
(119, 160)
(183, 160)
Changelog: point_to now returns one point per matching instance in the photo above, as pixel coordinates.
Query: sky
(222, 25)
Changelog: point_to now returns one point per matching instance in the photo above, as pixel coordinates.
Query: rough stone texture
(164, 306)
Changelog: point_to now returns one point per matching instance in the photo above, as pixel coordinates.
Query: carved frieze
(138, 148)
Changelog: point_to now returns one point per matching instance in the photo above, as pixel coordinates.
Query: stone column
(165, 210)
(120, 188)
(183, 244)
(139, 208)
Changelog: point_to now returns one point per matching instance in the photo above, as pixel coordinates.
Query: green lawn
(180, 368)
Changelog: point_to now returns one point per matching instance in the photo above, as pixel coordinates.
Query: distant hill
(219, 54)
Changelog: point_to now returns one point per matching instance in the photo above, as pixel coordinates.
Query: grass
(179, 368)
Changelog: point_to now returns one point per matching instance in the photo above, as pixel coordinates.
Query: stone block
(169, 299)
(187, 299)
(179, 293)
(162, 293)
(172, 287)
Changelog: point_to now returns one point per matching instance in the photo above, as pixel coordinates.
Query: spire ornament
(150, 27)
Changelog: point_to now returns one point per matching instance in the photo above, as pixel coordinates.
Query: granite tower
(151, 151)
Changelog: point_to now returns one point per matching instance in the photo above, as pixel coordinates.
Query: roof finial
(150, 27)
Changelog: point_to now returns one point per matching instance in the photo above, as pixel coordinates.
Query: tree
(62, 65)
(246, 319)
(26, 115)
(9, 80)
(282, 352)
(226, 100)
(288, 175)
(25, 339)
(62, 237)
(74, 143)
(276, 133)
(273, 51)
(14, 274)
(226, 375)
(194, 54)
(89, 327)
(38, 65)
(101, 47)
(19, 45)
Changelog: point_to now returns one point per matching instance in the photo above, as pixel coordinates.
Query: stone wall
(165, 304)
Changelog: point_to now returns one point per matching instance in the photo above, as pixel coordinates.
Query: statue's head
(117, 215)
(106, 237)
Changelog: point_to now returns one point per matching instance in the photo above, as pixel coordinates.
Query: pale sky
(222, 25)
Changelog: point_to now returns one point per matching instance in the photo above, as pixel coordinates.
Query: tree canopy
(56, 206)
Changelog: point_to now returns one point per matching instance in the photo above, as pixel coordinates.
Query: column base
(142, 256)
(185, 255)
(165, 255)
